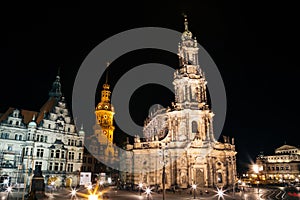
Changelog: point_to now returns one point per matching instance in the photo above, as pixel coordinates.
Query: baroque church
(181, 138)
(45, 139)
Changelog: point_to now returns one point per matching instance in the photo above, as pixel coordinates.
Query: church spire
(186, 23)
(56, 87)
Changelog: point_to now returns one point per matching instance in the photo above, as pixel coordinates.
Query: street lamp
(148, 192)
(73, 193)
(140, 187)
(194, 186)
(164, 161)
(256, 170)
(9, 189)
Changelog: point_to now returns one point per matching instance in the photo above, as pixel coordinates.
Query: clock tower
(105, 115)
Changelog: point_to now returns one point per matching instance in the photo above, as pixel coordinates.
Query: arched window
(194, 127)
(220, 179)
(57, 153)
(16, 137)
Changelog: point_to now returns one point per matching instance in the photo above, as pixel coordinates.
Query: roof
(286, 147)
(27, 114)
(46, 108)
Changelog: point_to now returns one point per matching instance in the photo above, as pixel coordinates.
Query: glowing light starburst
(220, 193)
(73, 192)
(148, 191)
(9, 189)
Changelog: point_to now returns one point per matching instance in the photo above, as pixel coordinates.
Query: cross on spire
(107, 65)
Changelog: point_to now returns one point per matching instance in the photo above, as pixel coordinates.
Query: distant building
(182, 137)
(47, 138)
(282, 167)
(100, 151)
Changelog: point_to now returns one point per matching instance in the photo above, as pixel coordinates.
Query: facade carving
(181, 137)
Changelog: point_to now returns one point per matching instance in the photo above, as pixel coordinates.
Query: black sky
(254, 45)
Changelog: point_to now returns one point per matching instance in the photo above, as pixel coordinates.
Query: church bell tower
(105, 113)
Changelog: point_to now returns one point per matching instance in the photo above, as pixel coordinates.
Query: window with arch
(194, 127)
(219, 177)
(57, 152)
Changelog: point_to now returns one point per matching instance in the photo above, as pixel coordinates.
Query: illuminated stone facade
(47, 138)
(282, 167)
(181, 136)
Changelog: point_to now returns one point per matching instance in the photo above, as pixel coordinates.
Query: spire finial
(185, 23)
(107, 65)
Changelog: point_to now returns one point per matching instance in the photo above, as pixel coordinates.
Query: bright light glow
(220, 193)
(101, 182)
(73, 192)
(148, 191)
(109, 180)
(194, 186)
(140, 185)
(297, 179)
(9, 189)
(89, 187)
(239, 181)
(93, 197)
(255, 168)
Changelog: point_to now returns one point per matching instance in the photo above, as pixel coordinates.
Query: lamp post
(140, 188)
(148, 192)
(8, 191)
(256, 171)
(194, 186)
(164, 161)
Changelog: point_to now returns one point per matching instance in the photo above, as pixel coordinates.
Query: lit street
(110, 193)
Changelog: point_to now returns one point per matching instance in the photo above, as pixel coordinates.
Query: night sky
(254, 45)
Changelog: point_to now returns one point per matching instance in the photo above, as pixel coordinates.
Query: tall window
(40, 153)
(46, 138)
(71, 155)
(50, 166)
(56, 166)
(52, 153)
(220, 179)
(20, 137)
(28, 136)
(26, 151)
(38, 164)
(194, 127)
(61, 167)
(62, 154)
(79, 156)
(57, 152)
(16, 137)
(42, 138)
(70, 168)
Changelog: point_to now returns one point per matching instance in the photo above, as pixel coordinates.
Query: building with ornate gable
(47, 139)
